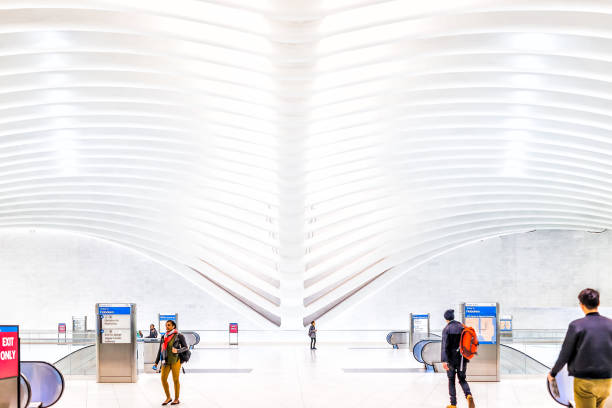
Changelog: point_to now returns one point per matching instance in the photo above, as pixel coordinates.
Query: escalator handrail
(431, 363)
(63, 381)
(73, 352)
(425, 341)
(29, 387)
(390, 335)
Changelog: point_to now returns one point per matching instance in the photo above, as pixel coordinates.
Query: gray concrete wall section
(49, 277)
(535, 276)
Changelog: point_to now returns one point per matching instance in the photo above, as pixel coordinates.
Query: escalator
(397, 338)
(42, 385)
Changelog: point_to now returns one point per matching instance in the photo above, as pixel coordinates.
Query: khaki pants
(591, 393)
(176, 370)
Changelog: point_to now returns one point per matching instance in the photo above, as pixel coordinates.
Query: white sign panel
(116, 326)
(420, 324)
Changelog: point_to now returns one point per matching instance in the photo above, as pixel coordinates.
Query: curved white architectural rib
(297, 155)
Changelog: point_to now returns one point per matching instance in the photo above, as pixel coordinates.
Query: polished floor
(293, 376)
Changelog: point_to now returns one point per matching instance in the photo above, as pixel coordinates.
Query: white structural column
(293, 37)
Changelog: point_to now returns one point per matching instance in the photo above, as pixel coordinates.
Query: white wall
(535, 276)
(47, 277)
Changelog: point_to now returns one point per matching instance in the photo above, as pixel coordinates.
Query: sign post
(484, 318)
(116, 348)
(505, 327)
(9, 367)
(79, 324)
(61, 330)
(163, 318)
(233, 334)
(419, 328)
(79, 329)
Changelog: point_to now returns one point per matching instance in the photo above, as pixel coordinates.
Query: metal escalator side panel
(418, 349)
(25, 391)
(46, 381)
(432, 352)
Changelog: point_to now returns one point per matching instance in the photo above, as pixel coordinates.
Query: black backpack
(185, 355)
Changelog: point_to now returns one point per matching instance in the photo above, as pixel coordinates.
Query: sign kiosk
(233, 334)
(163, 318)
(505, 326)
(79, 324)
(9, 367)
(419, 328)
(61, 332)
(116, 348)
(484, 318)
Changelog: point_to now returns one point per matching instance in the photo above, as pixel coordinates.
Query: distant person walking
(171, 345)
(152, 332)
(312, 333)
(452, 361)
(587, 351)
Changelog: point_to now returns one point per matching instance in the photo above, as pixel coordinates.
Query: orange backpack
(468, 345)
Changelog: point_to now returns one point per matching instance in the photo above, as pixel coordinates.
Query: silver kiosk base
(116, 348)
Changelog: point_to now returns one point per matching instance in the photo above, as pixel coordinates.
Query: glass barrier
(79, 362)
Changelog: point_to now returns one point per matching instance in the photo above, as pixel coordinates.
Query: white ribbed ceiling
(293, 152)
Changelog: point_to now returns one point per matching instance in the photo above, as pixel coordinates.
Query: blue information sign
(483, 318)
(9, 329)
(114, 310)
(163, 318)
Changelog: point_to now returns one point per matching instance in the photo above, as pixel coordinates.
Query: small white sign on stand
(233, 334)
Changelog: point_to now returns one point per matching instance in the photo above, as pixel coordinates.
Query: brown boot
(470, 401)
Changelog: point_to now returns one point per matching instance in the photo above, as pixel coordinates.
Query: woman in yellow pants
(171, 346)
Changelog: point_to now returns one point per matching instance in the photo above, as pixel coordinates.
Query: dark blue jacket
(451, 337)
(587, 348)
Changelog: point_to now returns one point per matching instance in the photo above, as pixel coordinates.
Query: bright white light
(526, 81)
(534, 42)
(52, 40)
(66, 152)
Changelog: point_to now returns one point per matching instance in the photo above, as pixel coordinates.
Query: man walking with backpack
(453, 361)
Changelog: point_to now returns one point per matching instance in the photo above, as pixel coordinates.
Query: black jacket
(587, 348)
(451, 337)
(152, 334)
(179, 341)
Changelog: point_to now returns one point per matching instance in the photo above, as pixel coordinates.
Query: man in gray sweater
(587, 351)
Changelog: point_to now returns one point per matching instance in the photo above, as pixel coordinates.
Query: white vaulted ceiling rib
(150, 127)
(163, 126)
(460, 121)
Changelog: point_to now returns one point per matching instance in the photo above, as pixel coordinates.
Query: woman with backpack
(171, 347)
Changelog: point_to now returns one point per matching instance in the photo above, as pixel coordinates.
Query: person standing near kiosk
(171, 346)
